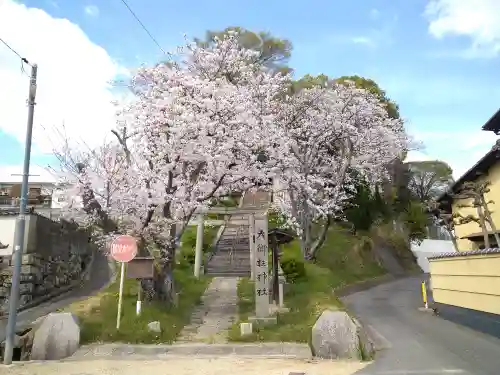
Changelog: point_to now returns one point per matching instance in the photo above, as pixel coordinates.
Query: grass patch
(98, 314)
(344, 259)
(399, 244)
(306, 299)
(349, 257)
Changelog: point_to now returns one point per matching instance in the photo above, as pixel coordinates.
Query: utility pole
(20, 226)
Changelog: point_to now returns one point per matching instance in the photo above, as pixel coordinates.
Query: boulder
(335, 336)
(56, 337)
(154, 327)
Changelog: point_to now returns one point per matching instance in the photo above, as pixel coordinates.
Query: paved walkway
(186, 366)
(216, 313)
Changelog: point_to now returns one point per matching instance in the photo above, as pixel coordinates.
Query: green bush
(188, 256)
(416, 220)
(293, 268)
(189, 237)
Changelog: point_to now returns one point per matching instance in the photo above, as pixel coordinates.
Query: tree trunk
(488, 217)
(483, 227)
(453, 240)
(321, 239)
(162, 286)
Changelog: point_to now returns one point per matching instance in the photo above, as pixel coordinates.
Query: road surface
(420, 343)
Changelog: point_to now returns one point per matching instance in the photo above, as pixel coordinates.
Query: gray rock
(56, 337)
(154, 327)
(366, 344)
(335, 335)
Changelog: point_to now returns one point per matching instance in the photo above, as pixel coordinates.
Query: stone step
(233, 241)
(229, 273)
(228, 256)
(228, 265)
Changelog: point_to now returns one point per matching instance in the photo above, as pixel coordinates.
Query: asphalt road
(99, 277)
(419, 343)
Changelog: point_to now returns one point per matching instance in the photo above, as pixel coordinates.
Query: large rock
(335, 335)
(56, 337)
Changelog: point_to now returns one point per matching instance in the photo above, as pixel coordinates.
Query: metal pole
(120, 295)
(20, 226)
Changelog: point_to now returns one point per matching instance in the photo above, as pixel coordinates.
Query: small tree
(445, 220)
(428, 179)
(475, 192)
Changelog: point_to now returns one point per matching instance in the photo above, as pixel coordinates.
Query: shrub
(189, 238)
(293, 268)
(187, 257)
(416, 220)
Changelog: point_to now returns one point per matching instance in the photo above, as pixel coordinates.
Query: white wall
(430, 248)
(7, 226)
(7, 230)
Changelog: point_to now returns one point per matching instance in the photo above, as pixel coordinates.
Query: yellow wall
(462, 230)
(470, 281)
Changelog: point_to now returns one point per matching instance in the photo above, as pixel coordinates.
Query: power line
(143, 26)
(23, 59)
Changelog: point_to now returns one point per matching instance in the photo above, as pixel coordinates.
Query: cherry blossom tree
(331, 131)
(193, 133)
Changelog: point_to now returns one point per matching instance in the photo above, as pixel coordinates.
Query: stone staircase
(232, 255)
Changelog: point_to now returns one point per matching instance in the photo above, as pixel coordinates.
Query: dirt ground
(185, 366)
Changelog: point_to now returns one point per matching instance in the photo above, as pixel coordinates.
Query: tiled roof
(482, 166)
(493, 124)
(455, 254)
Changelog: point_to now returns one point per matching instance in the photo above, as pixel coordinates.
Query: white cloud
(92, 10)
(418, 156)
(374, 13)
(477, 19)
(460, 149)
(73, 78)
(12, 174)
(363, 40)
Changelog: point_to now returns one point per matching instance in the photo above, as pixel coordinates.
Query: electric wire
(143, 26)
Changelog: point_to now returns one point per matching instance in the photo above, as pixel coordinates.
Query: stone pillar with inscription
(261, 267)
(251, 240)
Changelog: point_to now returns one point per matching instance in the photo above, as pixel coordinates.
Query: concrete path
(416, 342)
(193, 365)
(216, 313)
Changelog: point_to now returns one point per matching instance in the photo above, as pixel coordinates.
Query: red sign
(124, 249)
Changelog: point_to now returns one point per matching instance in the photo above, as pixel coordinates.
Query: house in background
(41, 185)
(470, 236)
(466, 284)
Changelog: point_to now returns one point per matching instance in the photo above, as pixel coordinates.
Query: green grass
(306, 300)
(349, 257)
(98, 314)
(344, 259)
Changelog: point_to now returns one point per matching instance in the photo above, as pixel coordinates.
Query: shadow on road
(418, 342)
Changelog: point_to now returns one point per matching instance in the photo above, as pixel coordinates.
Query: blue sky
(444, 75)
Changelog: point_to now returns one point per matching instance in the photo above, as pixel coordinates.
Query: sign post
(261, 268)
(123, 250)
(140, 268)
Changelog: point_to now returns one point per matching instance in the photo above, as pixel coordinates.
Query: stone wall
(55, 256)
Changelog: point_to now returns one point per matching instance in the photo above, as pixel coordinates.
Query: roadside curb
(124, 351)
